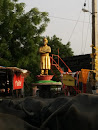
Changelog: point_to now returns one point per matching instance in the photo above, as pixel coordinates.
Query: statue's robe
(45, 59)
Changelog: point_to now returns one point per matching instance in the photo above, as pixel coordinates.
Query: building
(76, 63)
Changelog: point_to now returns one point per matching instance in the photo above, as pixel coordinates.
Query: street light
(94, 40)
(85, 10)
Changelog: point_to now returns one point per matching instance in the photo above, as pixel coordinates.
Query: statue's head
(45, 41)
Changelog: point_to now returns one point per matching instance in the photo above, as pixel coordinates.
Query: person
(44, 58)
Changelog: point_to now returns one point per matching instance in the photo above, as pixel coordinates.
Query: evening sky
(67, 21)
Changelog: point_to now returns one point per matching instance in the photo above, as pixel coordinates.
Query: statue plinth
(44, 77)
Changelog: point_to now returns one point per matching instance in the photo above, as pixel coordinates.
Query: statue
(44, 58)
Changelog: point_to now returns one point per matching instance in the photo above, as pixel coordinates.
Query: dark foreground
(63, 113)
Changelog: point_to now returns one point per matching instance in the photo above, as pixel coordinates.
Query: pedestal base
(44, 85)
(44, 77)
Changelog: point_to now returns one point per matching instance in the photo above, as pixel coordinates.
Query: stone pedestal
(44, 85)
(44, 77)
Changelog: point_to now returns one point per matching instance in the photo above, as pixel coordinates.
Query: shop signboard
(18, 82)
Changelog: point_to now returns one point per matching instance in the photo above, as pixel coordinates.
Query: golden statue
(44, 58)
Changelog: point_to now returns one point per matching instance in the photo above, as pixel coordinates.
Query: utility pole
(95, 41)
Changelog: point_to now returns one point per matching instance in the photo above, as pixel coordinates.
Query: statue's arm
(45, 50)
(49, 50)
(41, 50)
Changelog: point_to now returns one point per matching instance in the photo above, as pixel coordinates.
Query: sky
(67, 21)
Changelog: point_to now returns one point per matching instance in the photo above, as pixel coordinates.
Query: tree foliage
(21, 37)
(56, 44)
(20, 34)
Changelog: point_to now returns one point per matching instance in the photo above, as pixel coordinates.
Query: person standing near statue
(44, 58)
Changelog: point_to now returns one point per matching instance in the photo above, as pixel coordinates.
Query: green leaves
(19, 8)
(20, 34)
(5, 54)
(20, 37)
(64, 49)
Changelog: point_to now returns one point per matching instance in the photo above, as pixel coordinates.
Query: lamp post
(85, 10)
(94, 40)
(94, 34)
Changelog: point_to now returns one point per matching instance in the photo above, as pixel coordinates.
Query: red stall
(12, 81)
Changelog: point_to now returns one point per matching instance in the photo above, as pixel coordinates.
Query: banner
(84, 73)
(68, 80)
(18, 82)
(80, 77)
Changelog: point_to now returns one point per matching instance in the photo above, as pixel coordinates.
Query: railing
(56, 64)
(67, 89)
(53, 62)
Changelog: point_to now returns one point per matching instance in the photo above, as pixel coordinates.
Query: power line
(87, 35)
(82, 33)
(83, 29)
(74, 27)
(73, 20)
(87, 29)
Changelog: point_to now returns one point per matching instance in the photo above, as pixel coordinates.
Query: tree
(20, 34)
(64, 50)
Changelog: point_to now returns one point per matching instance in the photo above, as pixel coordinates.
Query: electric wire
(76, 24)
(87, 29)
(83, 28)
(87, 35)
(74, 27)
(88, 4)
(82, 34)
(73, 20)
